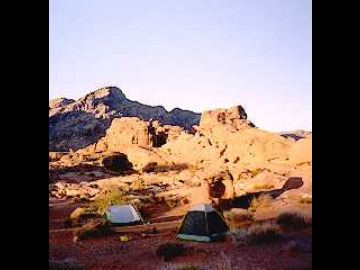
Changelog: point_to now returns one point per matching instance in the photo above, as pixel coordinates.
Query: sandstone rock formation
(76, 124)
(221, 158)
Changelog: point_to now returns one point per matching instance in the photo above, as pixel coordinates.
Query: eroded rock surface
(76, 124)
(222, 157)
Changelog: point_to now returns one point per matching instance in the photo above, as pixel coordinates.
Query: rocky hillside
(226, 153)
(76, 124)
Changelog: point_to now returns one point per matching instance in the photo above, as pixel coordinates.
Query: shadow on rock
(245, 200)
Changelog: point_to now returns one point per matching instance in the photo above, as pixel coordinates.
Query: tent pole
(206, 224)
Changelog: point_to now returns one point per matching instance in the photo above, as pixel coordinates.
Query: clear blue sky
(192, 54)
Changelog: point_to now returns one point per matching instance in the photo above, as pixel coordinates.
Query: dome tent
(202, 223)
(122, 215)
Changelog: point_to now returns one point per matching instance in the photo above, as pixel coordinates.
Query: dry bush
(222, 262)
(154, 167)
(170, 250)
(262, 201)
(293, 220)
(264, 186)
(93, 228)
(77, 213)
(264, 233)
(237, 216)
(79, 216)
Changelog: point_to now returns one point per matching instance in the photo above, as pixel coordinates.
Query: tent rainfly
(123, 215)
(203, 224)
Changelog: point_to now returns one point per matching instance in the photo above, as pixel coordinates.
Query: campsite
(227, 196)
(180, 135)
(177, 238)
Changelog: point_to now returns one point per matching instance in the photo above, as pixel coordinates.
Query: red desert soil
(109, 252)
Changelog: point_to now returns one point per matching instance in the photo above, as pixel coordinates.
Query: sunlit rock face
(76, 124)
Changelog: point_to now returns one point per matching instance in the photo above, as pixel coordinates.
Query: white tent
(123, 215)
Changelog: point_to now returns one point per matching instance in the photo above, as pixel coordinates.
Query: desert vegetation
(293, 220)
(257, 234)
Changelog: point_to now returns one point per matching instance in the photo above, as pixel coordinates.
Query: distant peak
(108, 91)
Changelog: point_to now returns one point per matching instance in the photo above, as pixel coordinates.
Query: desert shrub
(114, 197)
(238, 216)
(257, 234)
(170, 250)
(93, 228)
(77, 213)
(66, 265)
(262, 201)
(222, 262)
(292, 220)
(80, 215)
(265, 186)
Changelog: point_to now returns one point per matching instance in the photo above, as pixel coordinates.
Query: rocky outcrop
(76, 124)
(59, 102)
(73, 130)
(67, 190)
(223, 159)
(227, 137)
(234, 118)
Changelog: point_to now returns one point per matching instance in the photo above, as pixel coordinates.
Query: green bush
(114, 197)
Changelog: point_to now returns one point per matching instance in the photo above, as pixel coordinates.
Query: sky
(192, 54)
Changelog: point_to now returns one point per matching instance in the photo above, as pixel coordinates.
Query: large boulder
(127, 131)
(227, 137)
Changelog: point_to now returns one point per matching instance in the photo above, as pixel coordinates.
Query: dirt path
(110, 253)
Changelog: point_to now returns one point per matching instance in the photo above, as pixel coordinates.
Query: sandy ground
(109, 252)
